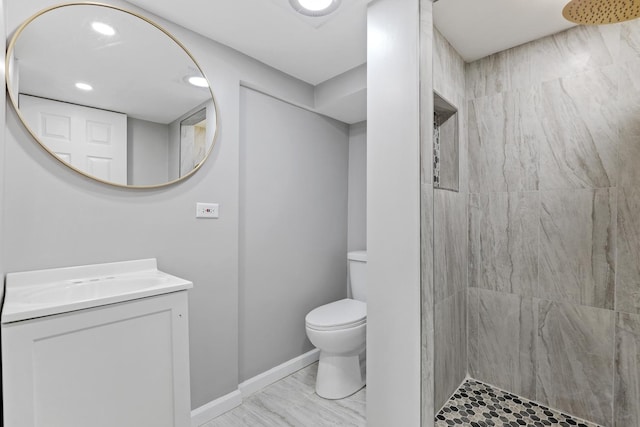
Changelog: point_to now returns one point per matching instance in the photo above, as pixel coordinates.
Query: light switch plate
(207, 210)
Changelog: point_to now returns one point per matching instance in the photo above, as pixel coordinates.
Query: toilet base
(338, 376)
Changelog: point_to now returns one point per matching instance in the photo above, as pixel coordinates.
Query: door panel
(92, 140)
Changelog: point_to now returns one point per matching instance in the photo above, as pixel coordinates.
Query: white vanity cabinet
(116, 358)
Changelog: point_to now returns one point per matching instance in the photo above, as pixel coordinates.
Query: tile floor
(292, 401)
(479, 405)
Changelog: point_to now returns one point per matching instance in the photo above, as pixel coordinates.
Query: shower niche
(445, 145)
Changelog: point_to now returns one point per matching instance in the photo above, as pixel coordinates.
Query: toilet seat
(342, 314)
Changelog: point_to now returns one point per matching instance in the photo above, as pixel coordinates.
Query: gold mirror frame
(14, 101)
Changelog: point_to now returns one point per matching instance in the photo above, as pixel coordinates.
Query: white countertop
(41, 293)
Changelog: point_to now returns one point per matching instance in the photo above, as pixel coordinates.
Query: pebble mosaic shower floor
(476, 404)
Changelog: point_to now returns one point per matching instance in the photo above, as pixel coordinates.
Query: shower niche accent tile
(446, 152)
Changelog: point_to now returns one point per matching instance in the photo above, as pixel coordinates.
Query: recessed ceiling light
(198, 81)
(315, 7)
(102, 28)
(84, 86)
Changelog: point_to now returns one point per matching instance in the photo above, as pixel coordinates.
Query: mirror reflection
(111, 95)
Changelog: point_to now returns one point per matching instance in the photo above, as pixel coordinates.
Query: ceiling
(477, 28)
(157, 92)
(311, 49)
(316, 49)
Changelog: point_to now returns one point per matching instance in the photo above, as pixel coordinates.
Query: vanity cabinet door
(123, 365)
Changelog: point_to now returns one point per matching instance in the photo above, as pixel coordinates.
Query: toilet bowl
(338, 330)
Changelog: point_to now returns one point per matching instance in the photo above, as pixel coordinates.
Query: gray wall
(357, 207)
(293, 225)
(147, 152)
(554, 306)
(3, 110)
(88, 222)
(393, 214)
(450, 236)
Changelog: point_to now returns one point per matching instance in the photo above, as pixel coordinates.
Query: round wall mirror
(111, 94)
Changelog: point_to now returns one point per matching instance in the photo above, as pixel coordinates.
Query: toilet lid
(339, 314)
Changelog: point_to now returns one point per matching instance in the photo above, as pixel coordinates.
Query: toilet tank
(358, 274)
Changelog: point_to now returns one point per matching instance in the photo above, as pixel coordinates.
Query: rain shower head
(597, 12)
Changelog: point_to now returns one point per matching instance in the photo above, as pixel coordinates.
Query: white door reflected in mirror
(114, 96)
(89, 139)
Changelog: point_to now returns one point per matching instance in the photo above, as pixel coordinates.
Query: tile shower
(535, 284)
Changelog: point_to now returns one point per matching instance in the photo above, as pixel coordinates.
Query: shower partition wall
(450, 254)
(449, 224)
(443, 219)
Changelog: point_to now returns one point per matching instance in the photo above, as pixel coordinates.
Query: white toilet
(338, 330)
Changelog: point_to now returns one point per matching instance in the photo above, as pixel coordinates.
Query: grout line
(615, 348)
(615, 304)
(536, 294)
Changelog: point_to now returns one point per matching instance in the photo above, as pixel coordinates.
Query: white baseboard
(215, 408)
(269, 377)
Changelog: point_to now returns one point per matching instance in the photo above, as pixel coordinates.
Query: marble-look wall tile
(426, 253)
(573, 51)
(629, 40)
(473, 308)
(504, 71)
(579, 134)
(627, 371)
(507, 326)
(450, 346)
(463, 143)
(553, 129)
(628, 121)
(628, 256)
(450, 154)
(427, 353)
(503, 150)
(577, 247)
(611, 35)
(503, 242)
(575, 360)
(427, 371)
(522, 67)
(448, 68)
(487, 76)
(449, 243)
(426, 91)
